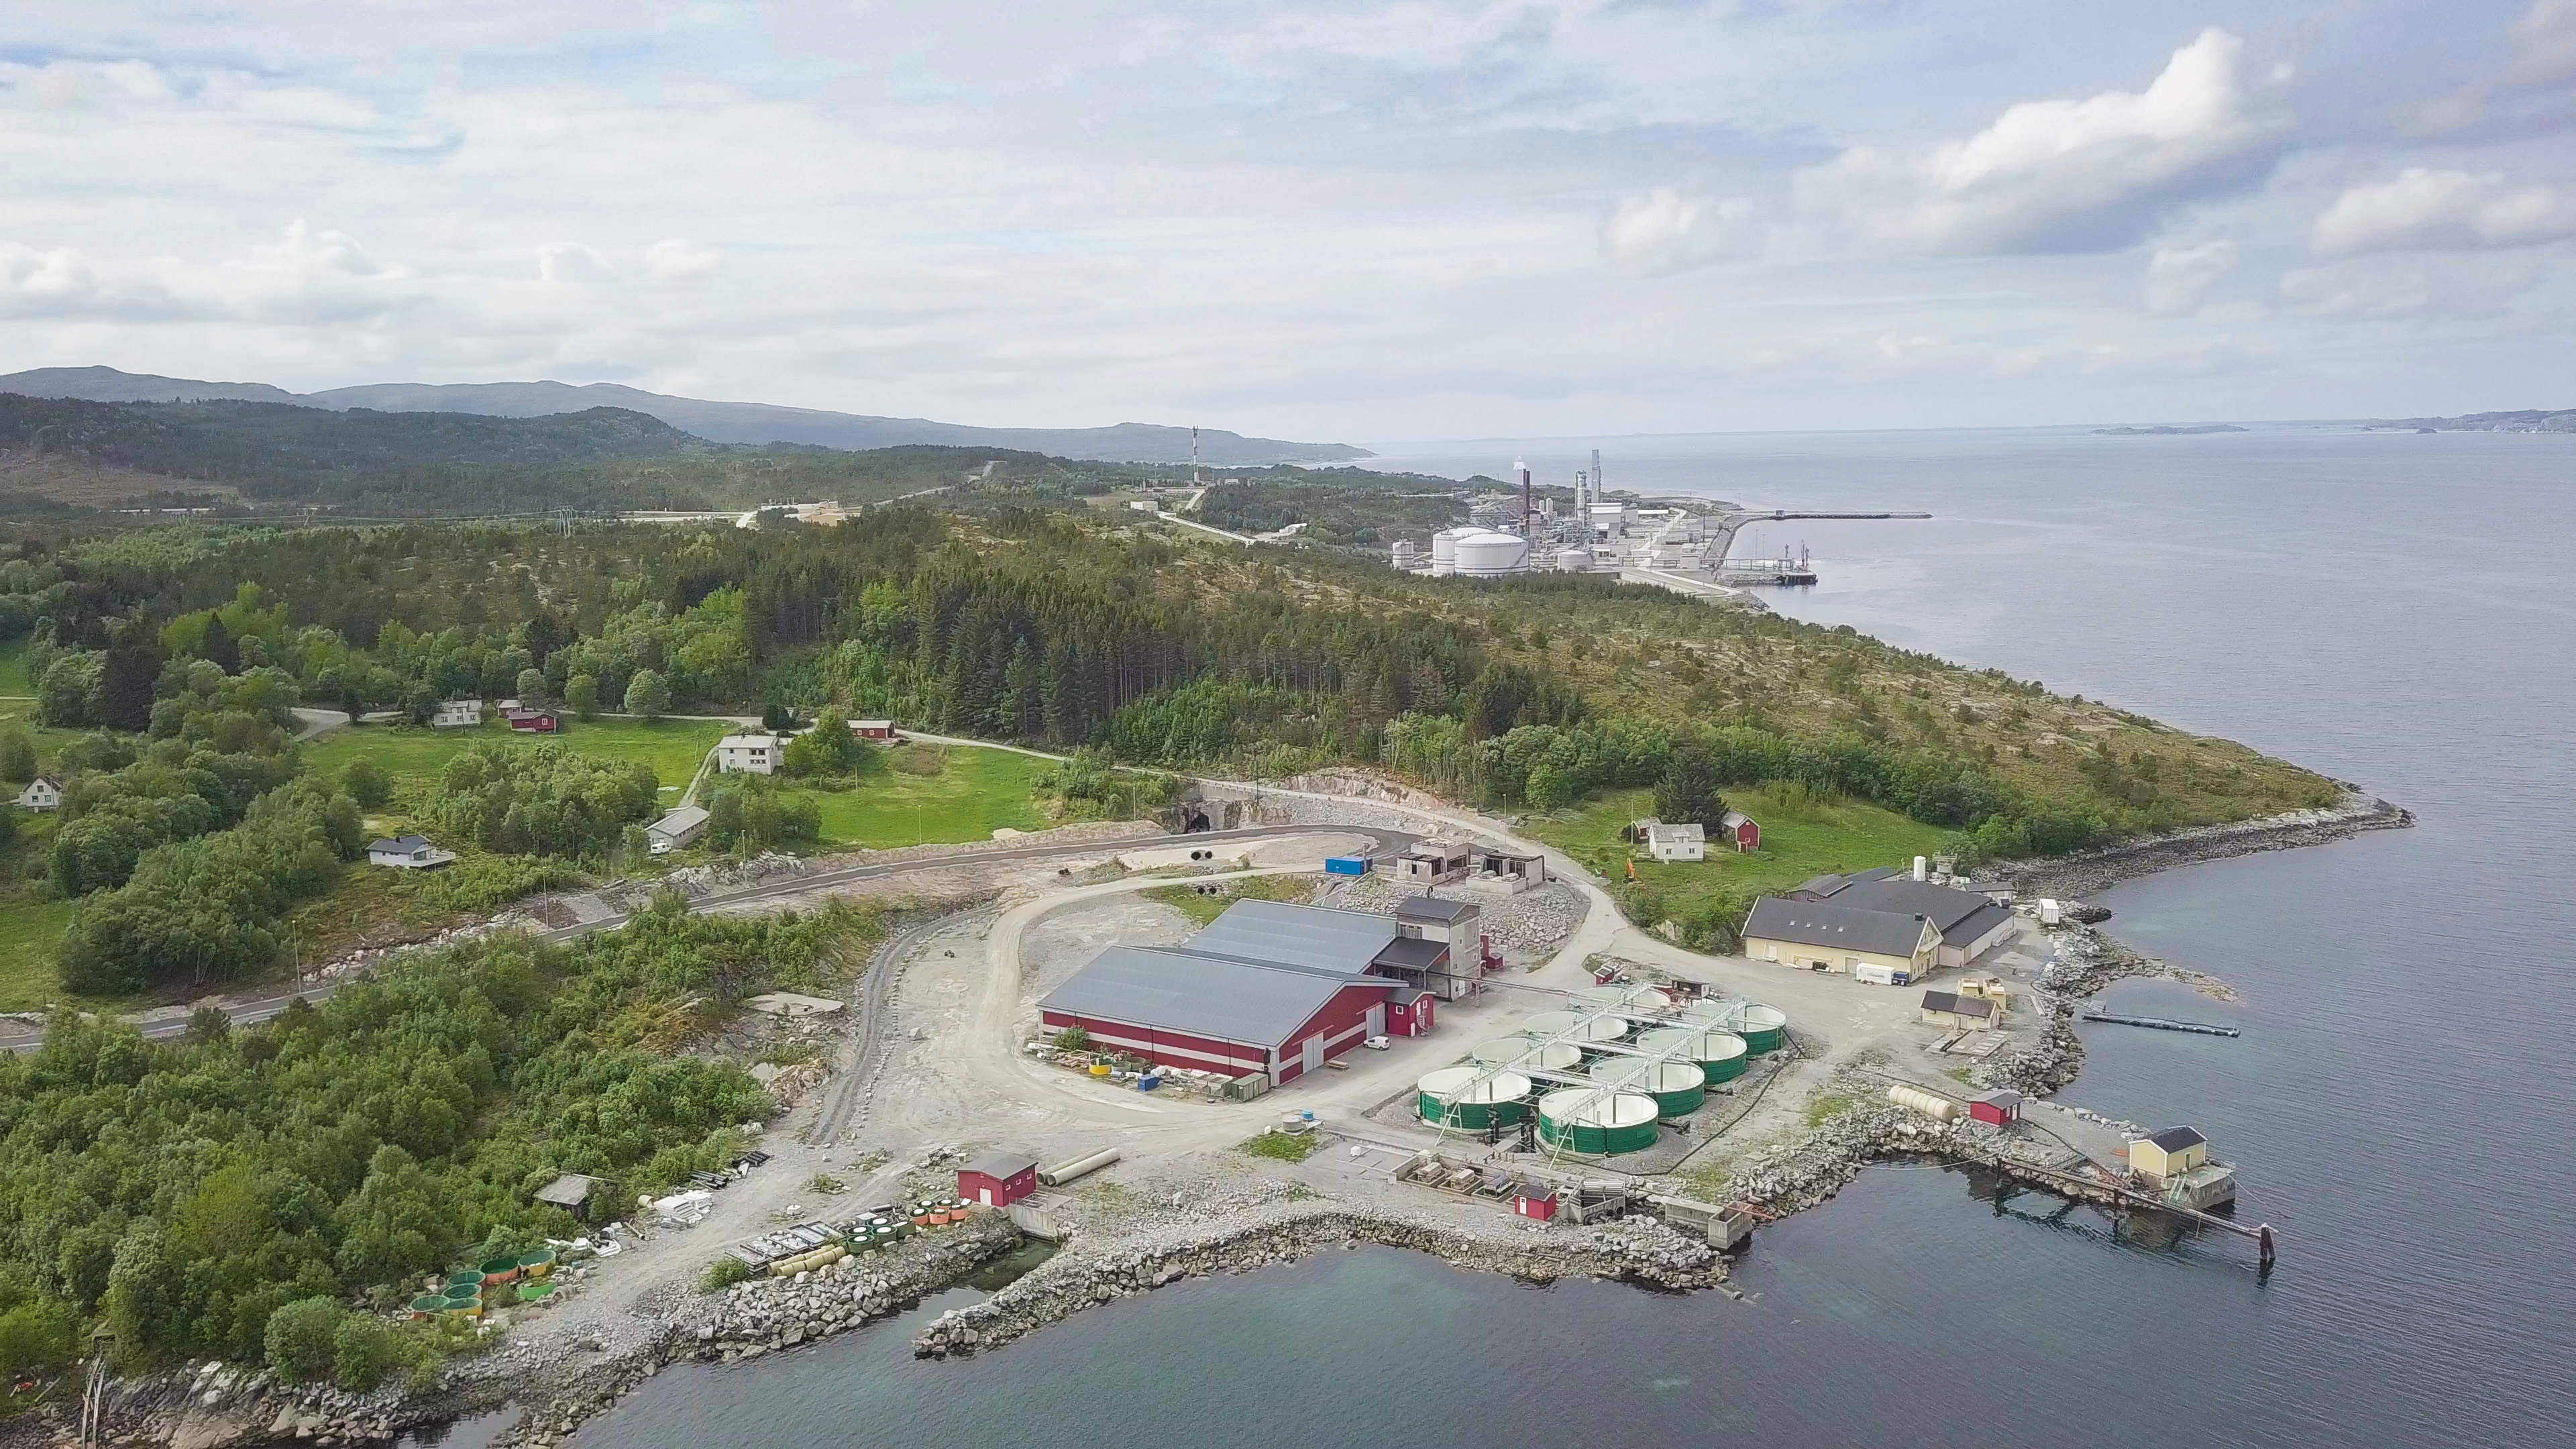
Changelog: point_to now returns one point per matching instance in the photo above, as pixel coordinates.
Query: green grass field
(414, 756)
(29, 932)
(1800, 838)
(975, 793)
(14, 683)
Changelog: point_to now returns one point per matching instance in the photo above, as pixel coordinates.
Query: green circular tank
(466, 1305)
(1576, 1026)
(1678, 1087)
(1598, 1122)
(501, 1270)
(1502, 1051)
(427, 1304)
(538, 1263)
(535, 1292)
(1454, 1096)
(1719, 1055)
(1616, 998)
(1762, 1027)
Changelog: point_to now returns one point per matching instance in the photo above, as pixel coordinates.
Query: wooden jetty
(2159, 1023)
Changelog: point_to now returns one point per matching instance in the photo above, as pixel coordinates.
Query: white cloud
(676, 259)
(2430, 209)
(567, 264)
(2067, 175)
(2407, 286)
(1666, 231)
(2544, 43)
(2179, 277)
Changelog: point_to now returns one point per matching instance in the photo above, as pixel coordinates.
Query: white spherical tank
(1488, 555)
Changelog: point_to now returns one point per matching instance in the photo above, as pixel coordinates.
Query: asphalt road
(254, 1010)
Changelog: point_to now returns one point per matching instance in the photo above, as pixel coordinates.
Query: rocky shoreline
(1633, 1250)
(2076, 876)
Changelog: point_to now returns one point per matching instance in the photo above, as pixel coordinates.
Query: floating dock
(2159, 1023)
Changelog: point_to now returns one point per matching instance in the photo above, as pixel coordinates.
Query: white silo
(1406, 553)
(1444, 550)
(1487, 554)
(1573, 560)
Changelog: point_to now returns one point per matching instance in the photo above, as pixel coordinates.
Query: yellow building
(1821, 936)
(2174, 1152)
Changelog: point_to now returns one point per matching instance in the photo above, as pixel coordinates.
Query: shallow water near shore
(2393, 610)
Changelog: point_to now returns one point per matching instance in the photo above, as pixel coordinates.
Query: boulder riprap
(1640, 1250)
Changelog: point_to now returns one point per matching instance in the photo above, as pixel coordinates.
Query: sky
(1355, 220)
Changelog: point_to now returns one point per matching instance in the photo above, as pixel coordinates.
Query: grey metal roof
(405, 844)
(1002, 1166)
(1832, 924)
(1405, 953)
(2175, 1139)
(686, 817)
(2001, 1097)
(1952, 911)
(1180, 989)
(1286, 935)
(570, 1190)
(1956, 1004)
(1428, 907)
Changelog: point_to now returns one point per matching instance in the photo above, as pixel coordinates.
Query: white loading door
(1377, 1020)
(1314, 1054)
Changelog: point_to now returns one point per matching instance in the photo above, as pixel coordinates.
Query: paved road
(166, 1023)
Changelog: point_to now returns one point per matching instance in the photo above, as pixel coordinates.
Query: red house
(1408, 1012)
(2001, 1108)
(998, 1179)
(1535, 1204)
(873, 729)
(537, 721)
(1740, 830)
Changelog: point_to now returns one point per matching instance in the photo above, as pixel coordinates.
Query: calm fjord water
(2392, 609)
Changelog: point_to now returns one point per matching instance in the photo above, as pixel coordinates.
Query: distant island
(2529, 420)
(2169, 430)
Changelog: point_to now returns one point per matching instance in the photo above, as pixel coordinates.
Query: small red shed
(1740, 831)
(1535, 1204)
(539, 721)
(2001, 1107)
(998, 1179)
(1408, 1012)
(872, 729)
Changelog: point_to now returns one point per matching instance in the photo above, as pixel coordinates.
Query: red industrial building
(998, 1180)
(1267, 989)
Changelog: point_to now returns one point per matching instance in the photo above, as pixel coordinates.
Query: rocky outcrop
(1639, 1250)
(2081, 875)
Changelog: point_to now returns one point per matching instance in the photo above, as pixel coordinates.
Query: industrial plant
(1673, 546)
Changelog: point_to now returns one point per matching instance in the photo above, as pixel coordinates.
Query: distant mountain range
(2170, 430)
(717, 422)
(2529, 420)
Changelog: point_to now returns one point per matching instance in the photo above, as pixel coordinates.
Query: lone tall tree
(648, 695)
(1687, 794)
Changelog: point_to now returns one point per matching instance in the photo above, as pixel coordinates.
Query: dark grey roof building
(1829, 925)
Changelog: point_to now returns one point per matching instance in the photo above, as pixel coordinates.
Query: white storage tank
(1573, 560)
(1487, 554)
(1406, 553)
(1444, 550)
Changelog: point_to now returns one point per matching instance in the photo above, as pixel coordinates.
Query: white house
(43, 793)
(452, 713)
(409, 852)
(757, 754)
(1675, 842)
(677, 829)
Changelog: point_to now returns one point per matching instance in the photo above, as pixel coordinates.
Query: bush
(723, 1273)
(1073, 1039)
(302, 1338)
(1284, 1146)
(582, 693)
(37, 1337)
(367, 783)
(648, 695)
(17, 757)
(362, 1349)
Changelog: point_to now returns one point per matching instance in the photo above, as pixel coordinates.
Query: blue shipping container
(1346, 865)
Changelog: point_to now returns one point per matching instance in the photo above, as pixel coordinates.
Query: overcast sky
(1361, 221)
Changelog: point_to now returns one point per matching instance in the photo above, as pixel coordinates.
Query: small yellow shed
(2169, 1154)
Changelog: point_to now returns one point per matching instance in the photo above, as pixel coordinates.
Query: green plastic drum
(1456, 1097)
(1719, 1055)
(1677, 1087)
(1599, 1123)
